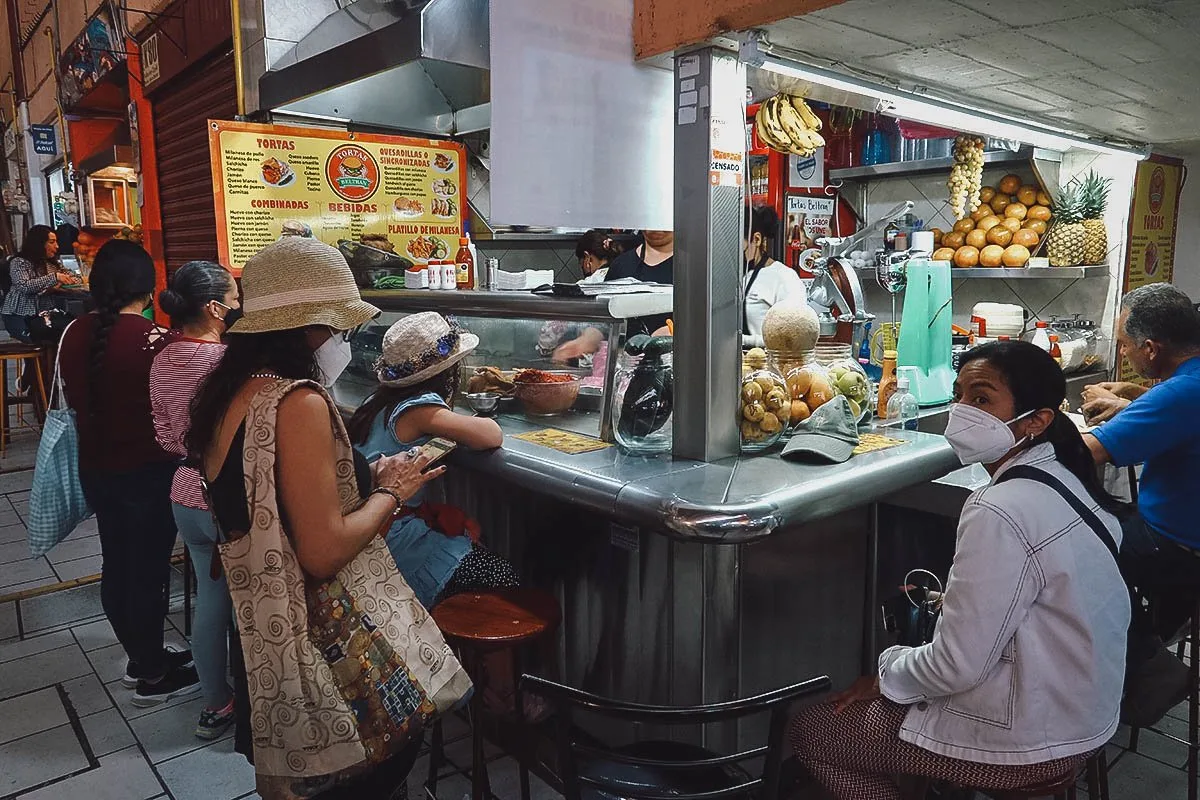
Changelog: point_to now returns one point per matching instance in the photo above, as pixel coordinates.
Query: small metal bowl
(484, 403)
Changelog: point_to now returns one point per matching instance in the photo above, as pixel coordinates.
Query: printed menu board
(1153, 220)
(400, 194)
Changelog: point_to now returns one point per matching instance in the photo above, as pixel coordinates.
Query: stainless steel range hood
(412, 65)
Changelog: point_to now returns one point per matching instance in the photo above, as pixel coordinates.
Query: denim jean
(17, 327)
(137, 534)
(214, 608)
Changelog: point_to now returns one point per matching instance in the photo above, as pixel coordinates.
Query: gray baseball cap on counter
(829, 435)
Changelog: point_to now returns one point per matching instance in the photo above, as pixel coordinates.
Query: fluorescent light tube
(934, 111)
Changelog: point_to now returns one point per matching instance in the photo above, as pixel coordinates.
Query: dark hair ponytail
(599, 244)
(122, 273)
(385, 398)
(283, 353)
(193, 287)
(1036, 382)
(764, 221)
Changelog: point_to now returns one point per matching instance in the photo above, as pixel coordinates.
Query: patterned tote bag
(342, 673)
(56, 501)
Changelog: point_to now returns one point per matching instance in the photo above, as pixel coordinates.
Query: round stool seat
(500, 618)
(1053, 788)
(13, 348)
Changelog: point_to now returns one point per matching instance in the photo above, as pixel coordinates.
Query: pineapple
(1094, 197)
(1066, 242)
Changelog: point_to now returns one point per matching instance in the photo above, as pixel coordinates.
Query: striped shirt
(174, 379)
(28, 282)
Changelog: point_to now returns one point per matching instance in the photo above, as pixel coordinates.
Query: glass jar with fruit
(764, 409)
(808, 383)
(847, 377)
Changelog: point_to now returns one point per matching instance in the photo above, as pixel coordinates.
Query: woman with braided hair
(105, 359)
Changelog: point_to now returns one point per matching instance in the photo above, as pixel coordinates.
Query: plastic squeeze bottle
(887, 384)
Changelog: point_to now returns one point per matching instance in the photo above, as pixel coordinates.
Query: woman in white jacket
(1023, 678)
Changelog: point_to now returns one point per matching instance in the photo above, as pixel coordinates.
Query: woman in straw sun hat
(301, 308)
(418, 377)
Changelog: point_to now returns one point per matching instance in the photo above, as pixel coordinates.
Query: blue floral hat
(421, 346)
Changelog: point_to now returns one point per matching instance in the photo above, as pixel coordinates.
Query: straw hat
(298, 282)
(420, 346)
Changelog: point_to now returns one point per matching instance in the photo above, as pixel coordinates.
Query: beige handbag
(342, 673)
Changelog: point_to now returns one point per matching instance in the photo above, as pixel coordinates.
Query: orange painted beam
(152, 223)
(662, 26)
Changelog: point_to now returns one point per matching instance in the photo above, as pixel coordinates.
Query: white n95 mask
(977, 437)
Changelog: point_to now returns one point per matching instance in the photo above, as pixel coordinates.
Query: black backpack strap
(1025, 472)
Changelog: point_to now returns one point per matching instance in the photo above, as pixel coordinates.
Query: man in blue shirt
(1159, 333)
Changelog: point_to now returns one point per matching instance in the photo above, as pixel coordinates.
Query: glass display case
(517, 331)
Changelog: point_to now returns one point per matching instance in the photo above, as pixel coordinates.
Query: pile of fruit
(1003, 231)
(764, 406)
(786, 123)
(1079, 235)
(809, 389)
(966, 176)
(852, 383)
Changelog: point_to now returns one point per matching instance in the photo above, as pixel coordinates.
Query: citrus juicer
(926, 338)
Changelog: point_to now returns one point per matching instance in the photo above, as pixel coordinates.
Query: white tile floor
(67, 726)
(68, 730)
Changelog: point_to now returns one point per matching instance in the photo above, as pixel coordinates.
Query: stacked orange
(1003, 232)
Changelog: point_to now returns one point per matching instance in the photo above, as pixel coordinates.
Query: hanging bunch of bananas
(786, 123)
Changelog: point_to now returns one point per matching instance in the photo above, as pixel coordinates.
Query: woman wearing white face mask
(300, 307)
(1024, 676)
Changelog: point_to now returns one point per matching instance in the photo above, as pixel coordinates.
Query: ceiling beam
(662, 26)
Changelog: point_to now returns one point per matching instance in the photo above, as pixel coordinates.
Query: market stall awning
(420, 67)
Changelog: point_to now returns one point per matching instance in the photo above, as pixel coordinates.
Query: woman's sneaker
(178, 682)
(176, 659)
(213, 724)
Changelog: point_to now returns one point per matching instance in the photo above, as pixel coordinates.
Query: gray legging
(214, 608)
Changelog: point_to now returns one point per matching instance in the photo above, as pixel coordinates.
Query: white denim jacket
(1027, 663)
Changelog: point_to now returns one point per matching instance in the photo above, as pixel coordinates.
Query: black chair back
(693, 773)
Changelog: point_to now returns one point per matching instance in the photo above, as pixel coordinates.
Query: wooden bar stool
(26, 357)
(1095, 772)
(477, 624)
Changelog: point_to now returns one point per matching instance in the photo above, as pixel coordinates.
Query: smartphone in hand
(437, 449)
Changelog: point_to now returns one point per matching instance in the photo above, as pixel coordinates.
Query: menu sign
(399, 193)
(1153, 220)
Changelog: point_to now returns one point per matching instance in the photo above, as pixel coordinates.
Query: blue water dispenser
(925, 331)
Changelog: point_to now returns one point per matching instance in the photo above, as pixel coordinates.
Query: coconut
(791, 327)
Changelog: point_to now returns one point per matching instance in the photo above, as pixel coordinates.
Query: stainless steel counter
(734, 501)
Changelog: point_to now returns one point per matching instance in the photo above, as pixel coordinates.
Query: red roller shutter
(181, 112)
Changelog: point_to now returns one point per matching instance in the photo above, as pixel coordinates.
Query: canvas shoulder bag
(342, 673)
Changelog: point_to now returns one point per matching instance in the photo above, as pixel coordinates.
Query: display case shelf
(902, 169)
(1052, 273)
(1023, 273)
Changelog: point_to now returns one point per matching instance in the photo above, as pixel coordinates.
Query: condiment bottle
(1041, 336)
(1055, 350)
(434, 270)
(449, 276)
(887, 384)
(464, 264)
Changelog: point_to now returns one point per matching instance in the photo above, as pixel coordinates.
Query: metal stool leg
(437, 754)
(1194, 706)
(188, 583)
(5, 432)
(519, 703)
(480, 788)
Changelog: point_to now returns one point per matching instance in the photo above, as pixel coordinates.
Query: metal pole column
(710, 148)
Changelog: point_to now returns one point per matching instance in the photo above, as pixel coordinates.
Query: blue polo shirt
(1161, 429)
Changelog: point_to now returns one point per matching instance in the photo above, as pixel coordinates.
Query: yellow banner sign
(397, 194)
(1153, 220)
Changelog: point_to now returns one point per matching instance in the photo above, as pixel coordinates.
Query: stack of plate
(999, 319)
